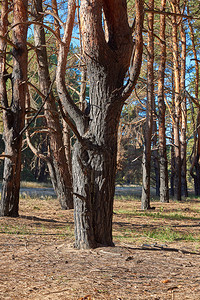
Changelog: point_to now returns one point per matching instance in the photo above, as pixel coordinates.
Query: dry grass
(38, 260)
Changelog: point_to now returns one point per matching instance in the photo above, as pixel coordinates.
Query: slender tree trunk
(155, 154)
(183, 136)
(195, 163)
(14, 116)
(164, 188)
(177, 149)
(172, 178)
(60, 171)
(146, 162)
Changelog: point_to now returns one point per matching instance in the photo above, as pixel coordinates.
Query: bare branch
(37, 23)
(39, 110)
(8, 41)
(137, 60)
(72, 110)
(48, 12)
(34, 150)
(168, 13)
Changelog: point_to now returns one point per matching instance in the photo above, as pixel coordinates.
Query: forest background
(158, 133)
(131, 129)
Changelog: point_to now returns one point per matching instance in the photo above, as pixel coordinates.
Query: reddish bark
(14, 114)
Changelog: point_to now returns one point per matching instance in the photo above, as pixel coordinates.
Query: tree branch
(137, 59)
(72, 110)
(37, 23)
(35, 151)
(48, 12)
(168, 13)
(38, 112)
(8, 41)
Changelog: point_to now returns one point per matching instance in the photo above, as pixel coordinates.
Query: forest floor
(157, 253)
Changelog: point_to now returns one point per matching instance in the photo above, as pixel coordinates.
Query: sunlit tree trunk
(183, 137)
(172, 159)
(60, 171)
(195, 162)
(164, 188)
(146, 161)
(177, 148)
(14, 113)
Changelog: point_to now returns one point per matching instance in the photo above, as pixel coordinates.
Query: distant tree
(183, 133)
(195, 167)
(164, 189)
(146, 161)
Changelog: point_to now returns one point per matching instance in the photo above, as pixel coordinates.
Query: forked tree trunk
(164, 188)
(95, 152)
(146, 162)
(14, 114)
(59, 172)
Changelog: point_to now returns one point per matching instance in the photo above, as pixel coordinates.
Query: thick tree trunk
(60, 171)
(146, 164)
(164, 188)
(14, 115)
(94, 157)
(94, 178)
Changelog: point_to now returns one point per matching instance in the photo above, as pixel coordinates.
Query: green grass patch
(17, 229)
(157, 215)
(169, 235)
(159, 234)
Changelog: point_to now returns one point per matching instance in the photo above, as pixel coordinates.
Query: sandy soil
(38, 260)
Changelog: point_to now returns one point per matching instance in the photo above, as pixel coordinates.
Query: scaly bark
(94, 157)
(14, 114)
